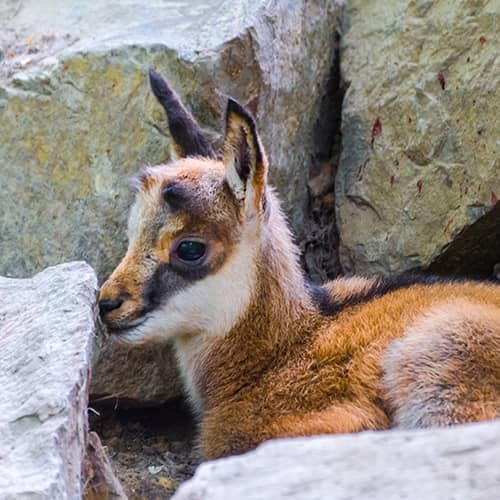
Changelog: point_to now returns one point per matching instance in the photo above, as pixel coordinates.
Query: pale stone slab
(47, 325)
(459, 463)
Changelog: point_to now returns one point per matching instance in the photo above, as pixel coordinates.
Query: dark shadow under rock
(150, 449)
(475, 251)
(320, 241)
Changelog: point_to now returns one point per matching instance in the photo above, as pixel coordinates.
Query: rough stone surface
(454, 463)
(134, 376)
(46, 335)
(77, 117)
(420, 161)
(151, 450)
(100, 480)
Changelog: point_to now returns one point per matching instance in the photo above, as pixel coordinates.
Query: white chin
(146, 332)
(130, 337)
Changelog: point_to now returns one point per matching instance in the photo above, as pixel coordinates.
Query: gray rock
(77, 117)
(100, 480)
(420, 161)
(454, 463)
(134, 376)
(47, 326)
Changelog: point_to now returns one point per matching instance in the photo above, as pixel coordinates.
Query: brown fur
(330, 380)
(270, 363)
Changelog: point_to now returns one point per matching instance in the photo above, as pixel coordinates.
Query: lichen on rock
(78, 118)
(425, 74)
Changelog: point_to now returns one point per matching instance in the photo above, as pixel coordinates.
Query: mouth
(122, 329)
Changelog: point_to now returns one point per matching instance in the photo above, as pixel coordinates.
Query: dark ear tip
(234, 107)
(158, 83)
(154, 77)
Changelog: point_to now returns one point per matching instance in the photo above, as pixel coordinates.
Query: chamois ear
(244, 157)
(187, 135)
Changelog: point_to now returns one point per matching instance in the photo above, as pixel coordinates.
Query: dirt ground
(151, 450)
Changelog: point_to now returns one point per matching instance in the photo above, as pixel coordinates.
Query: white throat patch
(202, 312)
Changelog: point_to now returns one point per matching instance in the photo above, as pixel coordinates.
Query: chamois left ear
(187, 136)
(245, 159)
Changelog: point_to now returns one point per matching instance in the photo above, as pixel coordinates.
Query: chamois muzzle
(106, 306)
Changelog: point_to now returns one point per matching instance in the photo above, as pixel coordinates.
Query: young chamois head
(195, 231)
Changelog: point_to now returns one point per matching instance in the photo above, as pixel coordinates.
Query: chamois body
(264, 354)
(287, 368)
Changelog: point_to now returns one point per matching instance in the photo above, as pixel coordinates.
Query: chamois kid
(264, 354)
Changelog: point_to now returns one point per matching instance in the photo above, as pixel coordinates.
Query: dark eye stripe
(170, 278)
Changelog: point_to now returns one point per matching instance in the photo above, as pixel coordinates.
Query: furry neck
(279, 313)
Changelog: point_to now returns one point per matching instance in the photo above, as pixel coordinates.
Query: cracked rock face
(47, 325)
(77, 117)
(420, 163)
(457, 462)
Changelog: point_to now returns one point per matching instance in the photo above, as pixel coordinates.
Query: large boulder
(77, 117)
(47, 328)
(458, 462)
(420, 170)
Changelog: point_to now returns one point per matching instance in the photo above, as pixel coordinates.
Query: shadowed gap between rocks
(320, 246)
(474, 252)
(151, 450)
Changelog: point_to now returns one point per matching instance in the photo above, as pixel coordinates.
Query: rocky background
(380, 119)
(419, 173)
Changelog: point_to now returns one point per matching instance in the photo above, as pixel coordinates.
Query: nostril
(106, 306)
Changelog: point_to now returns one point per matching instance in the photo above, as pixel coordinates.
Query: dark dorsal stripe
(382, 286)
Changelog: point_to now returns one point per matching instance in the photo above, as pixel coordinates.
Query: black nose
(106, 306)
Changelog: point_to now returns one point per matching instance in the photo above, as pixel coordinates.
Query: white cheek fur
(205, 310)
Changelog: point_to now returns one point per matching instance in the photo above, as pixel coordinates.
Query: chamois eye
(191, 251)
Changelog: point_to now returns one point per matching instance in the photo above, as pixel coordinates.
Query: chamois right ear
(187, 135)
(245, 159)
